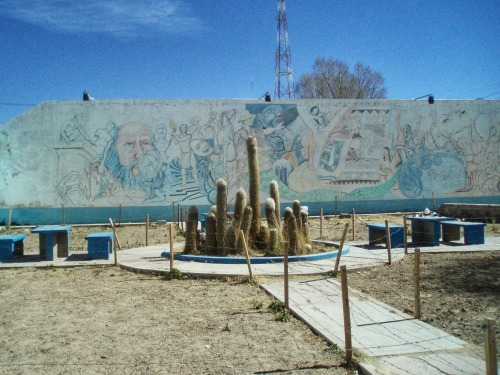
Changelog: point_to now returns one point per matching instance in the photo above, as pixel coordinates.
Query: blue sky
(53, 49)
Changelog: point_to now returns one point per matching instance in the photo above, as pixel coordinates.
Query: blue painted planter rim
(253, 260)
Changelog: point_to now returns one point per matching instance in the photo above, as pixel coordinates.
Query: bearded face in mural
(132, 157)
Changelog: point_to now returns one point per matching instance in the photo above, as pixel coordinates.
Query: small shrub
(175, 274)
(280, 311)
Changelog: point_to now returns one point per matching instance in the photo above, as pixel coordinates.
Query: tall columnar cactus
(211, 235)
(246, 222)
(254, 186)
(292, 234)
(221, 222)
(191, 230)
(270, 208)
(275, 195)
(239, 208)
(298, 218)
(231, 244)
(305, 227)
(274, 241)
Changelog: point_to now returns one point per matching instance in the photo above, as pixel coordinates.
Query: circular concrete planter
(253, 260)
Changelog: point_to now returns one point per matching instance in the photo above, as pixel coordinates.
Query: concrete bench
(100, 245)
(473, 232)
(11, 247)
(376, 235)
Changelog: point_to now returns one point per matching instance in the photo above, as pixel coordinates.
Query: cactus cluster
(228, 236)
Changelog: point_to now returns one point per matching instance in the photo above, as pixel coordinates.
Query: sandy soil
(107, 320)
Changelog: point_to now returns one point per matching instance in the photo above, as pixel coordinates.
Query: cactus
(221, 222)
(272, 221)
(305, 228)
(239, 208)
(211, 235)
(274, 241)
(292, 235)
(191, 230)
(298, 218)
(254, 186)
(230, 241)
(264, 236)
(275, 195)
(246, 222)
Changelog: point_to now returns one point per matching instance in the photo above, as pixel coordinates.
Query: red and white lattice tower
(283, 84)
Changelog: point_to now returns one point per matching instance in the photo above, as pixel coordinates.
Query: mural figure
(132, 158)
(183, 139)
(73, 131)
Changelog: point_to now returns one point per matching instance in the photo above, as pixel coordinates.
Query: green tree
(331, 79)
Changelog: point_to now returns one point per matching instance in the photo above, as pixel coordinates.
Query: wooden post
(120, 216)
(405, 239)
(416, 288)
(63, 216)
(242, 236)
(10, 218)
(147, 229)
(388, 241)
(179, 215)
(321, 223)
(347, 314)
(285, 265)
(353, 217)
(490, 348)
(434, 201)
(336, 204)
(171, 235)
(337, 260)
(173, 212)
(115, 248)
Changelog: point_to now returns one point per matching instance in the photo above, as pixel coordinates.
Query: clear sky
(53, 49)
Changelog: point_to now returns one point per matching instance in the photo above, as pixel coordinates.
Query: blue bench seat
(473, 232)
(100, 245)
(11, 247)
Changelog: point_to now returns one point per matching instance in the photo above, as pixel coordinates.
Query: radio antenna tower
(283, 83)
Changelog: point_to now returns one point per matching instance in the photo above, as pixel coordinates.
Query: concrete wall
(371, 155)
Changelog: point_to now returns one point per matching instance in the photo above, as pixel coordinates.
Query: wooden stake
(416, 288)
(147, 229)
(115, 239)
(242, 236)
(347, 314)
(179, 215)
(405, 239)
(285, 265)
(10, 218)
(321, 223)
(120, 215)
(173, 212)
(490, 348)
(171, 235)
(336, 204)
(388, 241)
(353, 217)
(63, 216)
(337, 260)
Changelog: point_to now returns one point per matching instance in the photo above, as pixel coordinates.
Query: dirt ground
(107, 320)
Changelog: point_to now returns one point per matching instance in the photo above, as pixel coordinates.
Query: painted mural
(144, 152)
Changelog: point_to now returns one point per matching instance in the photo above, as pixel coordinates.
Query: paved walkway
(387, 341)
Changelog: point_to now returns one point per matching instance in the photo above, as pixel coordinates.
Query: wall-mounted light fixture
(430, 98)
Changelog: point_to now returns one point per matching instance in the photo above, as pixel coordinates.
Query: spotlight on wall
(430, 98)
